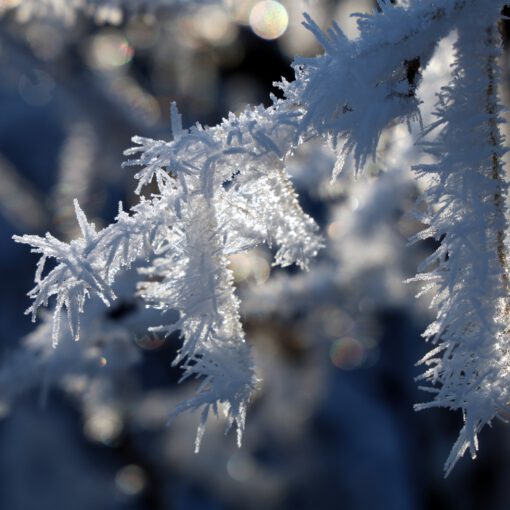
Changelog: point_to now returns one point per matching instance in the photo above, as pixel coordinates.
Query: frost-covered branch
(244, 159)
(353, 91)
(468, 273)
(88, 266)
(221, 190)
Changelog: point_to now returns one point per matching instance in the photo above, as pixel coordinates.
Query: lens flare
(269, 19)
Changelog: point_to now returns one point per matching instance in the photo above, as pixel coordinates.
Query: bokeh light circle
(109, 51)
(269, 19)
(347, 353)
(130, 480)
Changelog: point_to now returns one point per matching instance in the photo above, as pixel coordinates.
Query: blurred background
(332, 425)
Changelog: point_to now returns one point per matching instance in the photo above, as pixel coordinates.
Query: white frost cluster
(222, 191)
(468, 273)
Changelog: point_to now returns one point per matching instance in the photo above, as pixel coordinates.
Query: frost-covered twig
(211, 184)
(358, 87)
(468, 272)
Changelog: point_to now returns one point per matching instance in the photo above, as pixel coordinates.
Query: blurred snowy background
(332, 425)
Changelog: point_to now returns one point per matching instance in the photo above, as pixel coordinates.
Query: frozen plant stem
(467, 211)
(498, 173)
